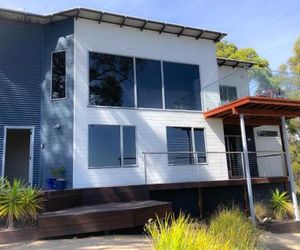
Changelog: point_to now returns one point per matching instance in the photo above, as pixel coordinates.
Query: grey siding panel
(58, 143)
(20, 80)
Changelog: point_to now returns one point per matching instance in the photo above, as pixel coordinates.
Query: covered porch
(255, 112)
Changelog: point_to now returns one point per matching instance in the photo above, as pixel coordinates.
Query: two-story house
(124, 101)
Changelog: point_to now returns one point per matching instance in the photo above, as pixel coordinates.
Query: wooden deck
(101, 217)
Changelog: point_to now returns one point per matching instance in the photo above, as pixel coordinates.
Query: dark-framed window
(227, 93)
(111, 146)
(149, 83)
(111, 80)
(182, 86)
(189, 143)
(58, 75)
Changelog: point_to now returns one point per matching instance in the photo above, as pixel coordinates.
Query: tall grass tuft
(261, 210)
(233, 226)
(182, 233)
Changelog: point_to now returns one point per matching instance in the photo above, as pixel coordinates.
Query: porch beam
(247, 168)
(265, 112)
(289, 167)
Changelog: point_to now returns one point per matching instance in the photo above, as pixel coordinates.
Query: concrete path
(124, 242)
(138, 242)
(280, 241)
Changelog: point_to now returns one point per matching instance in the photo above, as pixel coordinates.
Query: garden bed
(18, 235)
(278, 227)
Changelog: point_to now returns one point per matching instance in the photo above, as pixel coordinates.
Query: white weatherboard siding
(228, 76)
(273, 165)
(150, 124)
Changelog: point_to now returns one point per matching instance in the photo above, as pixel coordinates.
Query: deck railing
(251, 82)
(171, 167)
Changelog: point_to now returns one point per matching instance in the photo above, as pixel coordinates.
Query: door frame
(31, 150)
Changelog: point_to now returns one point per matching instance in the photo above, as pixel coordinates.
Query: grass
(261, 210)
(229, 229)
(234, 226)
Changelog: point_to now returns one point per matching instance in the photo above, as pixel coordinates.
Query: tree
(294, 61)
(231, 51)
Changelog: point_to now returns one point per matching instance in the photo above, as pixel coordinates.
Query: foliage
(19, 201)
(231, 51)
(181, 234)
(279, 203)
(294, 61)
(230, 229)
(261, 210)
(58, 173)
(233, 225)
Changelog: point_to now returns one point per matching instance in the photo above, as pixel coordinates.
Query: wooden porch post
(247, 169)
(289, 167)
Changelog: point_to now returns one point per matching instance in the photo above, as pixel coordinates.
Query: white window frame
(51, 82)
(121, 148)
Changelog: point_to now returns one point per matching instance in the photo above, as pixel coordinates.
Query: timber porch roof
(257, 110)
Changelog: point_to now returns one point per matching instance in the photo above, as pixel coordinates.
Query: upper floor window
(111, 80)
(111, 146)
(58, 82)
(227, 93)
(149, 83)
(189, 143)
(127, 82)
(182, 86)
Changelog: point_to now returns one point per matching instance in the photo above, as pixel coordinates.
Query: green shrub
(19, 201)
(279, 204)
(233, 225)
(229, 229)
(181, 234)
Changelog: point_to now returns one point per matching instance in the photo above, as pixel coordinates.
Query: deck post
(247, 168)
(289, 167)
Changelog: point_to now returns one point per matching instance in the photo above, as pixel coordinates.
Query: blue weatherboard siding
(21, 48)
(25, 56)
(58, 143)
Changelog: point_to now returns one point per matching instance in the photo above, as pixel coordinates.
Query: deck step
(97, 218)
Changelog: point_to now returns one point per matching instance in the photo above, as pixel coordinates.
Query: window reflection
(111, 80)
(149, 83)
(182, 86)
(58, 75)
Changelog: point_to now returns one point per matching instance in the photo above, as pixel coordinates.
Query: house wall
(57, 142)
(228, 76)
(21, 48)
(273, 165)
(150, 123)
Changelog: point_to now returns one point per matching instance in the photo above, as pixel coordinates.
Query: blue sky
(269, 26)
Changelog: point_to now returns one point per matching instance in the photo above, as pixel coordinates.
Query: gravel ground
(138, 242)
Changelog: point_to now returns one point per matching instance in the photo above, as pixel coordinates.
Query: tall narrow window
(58, 86)
(227, 93)
(149, 83)
(111, 80)
(111, 146)
(189, 143)
(182, 86)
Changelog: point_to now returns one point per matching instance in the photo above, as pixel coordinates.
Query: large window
(182, 142)
(182, 86)
(149, 83)
(111, 80)
(227, 94)
(124, 82)
(111, 146)
(58, 82)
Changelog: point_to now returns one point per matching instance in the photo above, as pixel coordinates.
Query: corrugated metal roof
(112, 18)
(234, 63)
